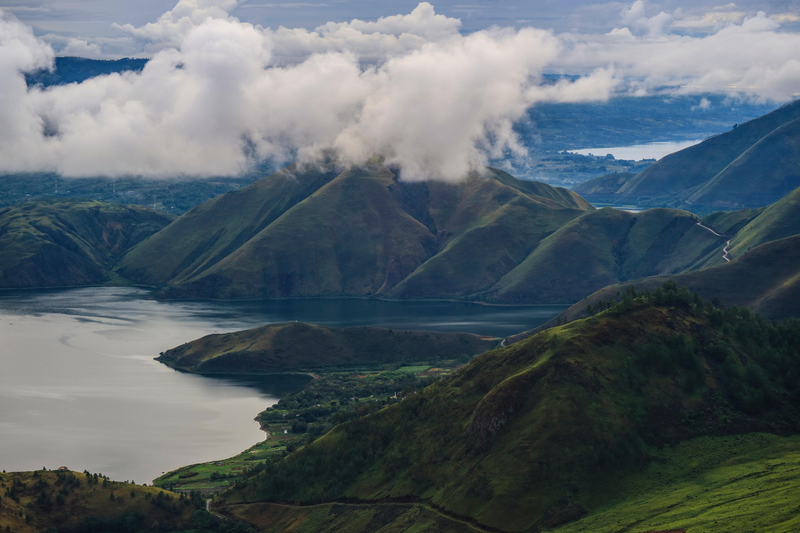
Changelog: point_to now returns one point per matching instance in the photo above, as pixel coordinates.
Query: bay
(637, 152)
(79, 386)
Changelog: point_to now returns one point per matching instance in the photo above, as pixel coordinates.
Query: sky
(432, 87)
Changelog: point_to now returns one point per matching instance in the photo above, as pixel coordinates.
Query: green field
(711, 484)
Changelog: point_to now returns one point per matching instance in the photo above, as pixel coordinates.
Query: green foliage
(529, 432)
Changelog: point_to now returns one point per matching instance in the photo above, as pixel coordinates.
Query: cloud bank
(219, 95)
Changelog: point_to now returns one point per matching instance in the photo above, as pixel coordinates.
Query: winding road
(727, 244)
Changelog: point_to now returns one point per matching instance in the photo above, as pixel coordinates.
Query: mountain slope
(530, 436)
(358, 232)
(296, 346)
(697, 164)
(781, 219)
(766, 171)
(51, 243)
(209, 232)
(753, 165)
(608, 246)
(765, 280)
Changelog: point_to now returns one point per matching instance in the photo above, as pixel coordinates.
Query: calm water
(637, 152)
(79, 386)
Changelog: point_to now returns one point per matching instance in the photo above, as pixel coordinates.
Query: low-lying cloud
(219, 95)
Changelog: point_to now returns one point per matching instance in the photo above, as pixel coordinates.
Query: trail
(727, 244)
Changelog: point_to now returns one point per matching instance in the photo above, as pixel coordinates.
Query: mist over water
(79, 386)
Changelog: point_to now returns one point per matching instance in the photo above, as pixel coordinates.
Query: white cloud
(220, 94)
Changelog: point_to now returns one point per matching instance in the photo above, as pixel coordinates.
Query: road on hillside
(728, 243)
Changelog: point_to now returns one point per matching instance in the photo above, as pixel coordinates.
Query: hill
(605, 247)
(530, 436)
(296, 346)
(51, 243)
(753, 165)
(765, 280)
(353, 232)
(781, 219)
(46, 500)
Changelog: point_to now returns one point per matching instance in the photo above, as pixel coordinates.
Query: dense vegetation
(73, 502)
(527, 435)
(298, 347)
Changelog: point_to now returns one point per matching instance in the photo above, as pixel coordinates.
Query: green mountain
(605, 247)
(296, 346)
(357, 232)
(52, 243)
(781, 219)
(753, 165)
(765, 280)
(531, 436)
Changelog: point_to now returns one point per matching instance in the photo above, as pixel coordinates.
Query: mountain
(53, 243)
(353, 232)
(753, 165)
(532, 436)
(296, 346)
(605, 247)
(765, 280)
(781, 219)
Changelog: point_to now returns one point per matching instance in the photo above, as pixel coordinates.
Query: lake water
(79, 386)
(637, 152)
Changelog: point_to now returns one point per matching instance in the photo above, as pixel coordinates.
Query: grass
(710, 484)
(777, 221)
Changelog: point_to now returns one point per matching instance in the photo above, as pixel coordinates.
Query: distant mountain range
(753, 165)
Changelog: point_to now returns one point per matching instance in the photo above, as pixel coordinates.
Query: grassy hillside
(50, 243)
(605, 185)
(710, 484)
(765, 280)
(781, 219)
(357, 232)
(762, 174)
(209, 232)
(608, 246)
(73, 501)
(296, 346)
(753, 165)
(531, 435)
(697, 164)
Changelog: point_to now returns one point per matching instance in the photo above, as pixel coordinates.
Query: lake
(79, 386)
(637, 152)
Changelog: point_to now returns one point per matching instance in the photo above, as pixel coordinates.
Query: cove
(79, 386)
